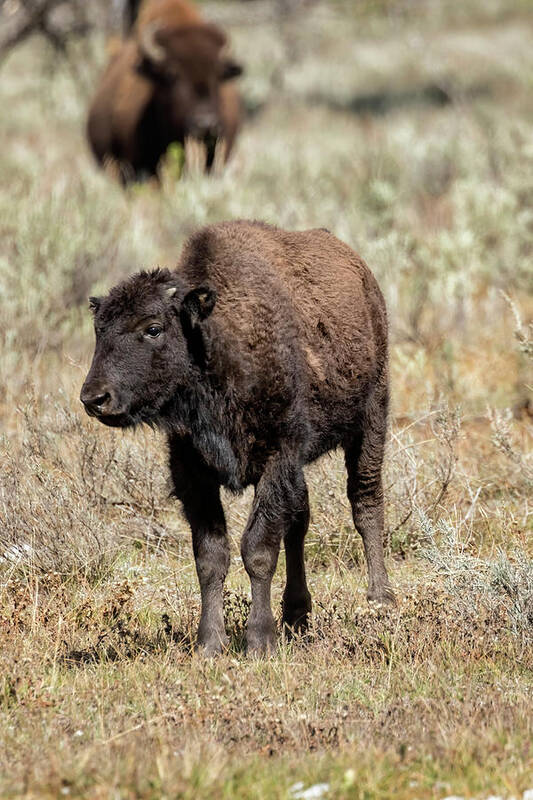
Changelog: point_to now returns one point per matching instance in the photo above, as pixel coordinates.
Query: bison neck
(207, 419)
(155, 133)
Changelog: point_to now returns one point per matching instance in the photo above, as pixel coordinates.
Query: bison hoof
(382, 595)
(211, 644)
(296, 616)
(261, 641)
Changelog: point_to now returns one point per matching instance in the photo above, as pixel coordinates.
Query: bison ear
(198, 304)
(94, 303)
(217, 34)
(230, 69)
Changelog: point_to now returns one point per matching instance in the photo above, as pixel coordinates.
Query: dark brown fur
(264, 350)
(143, 104)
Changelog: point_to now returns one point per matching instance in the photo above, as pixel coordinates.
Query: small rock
(314, 792)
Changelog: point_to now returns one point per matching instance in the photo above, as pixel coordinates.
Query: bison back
(172, 13)
(118, 106)
(301, 301)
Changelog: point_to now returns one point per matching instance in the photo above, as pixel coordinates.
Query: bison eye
(153, 331)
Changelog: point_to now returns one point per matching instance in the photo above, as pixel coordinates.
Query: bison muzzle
(262, 351)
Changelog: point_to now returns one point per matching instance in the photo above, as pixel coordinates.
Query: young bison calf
(264, 350)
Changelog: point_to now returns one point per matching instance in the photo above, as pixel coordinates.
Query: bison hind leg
(279, 511)
(364, 459)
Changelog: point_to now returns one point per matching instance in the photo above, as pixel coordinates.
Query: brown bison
(170, 80)
(264, 350)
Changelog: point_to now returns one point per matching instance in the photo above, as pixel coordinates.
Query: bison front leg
(199, 492)
(296, 597)
(273, 511)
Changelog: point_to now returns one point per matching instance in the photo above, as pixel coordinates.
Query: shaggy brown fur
(262, 351)
(174, 13)
(168, 81)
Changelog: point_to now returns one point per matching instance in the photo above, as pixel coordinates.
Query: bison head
(187, 66)
(149, 345)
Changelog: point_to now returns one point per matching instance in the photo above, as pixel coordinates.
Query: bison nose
(98, 400)
(205, 124)
(101, 401)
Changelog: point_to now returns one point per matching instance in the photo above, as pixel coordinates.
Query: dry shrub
(419, 470)
(77, 623)
(47, 523)
(429, 622)
(496, 586)
(505, 440)
(523, 332)
(72, 493)
(236, 610)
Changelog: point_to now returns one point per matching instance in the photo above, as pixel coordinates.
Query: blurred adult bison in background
(168, 81)
(261, 352)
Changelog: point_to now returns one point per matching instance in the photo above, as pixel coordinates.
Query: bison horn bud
(148, 45)
(171, 292)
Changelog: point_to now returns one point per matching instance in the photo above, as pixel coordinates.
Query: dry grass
(408, 134)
